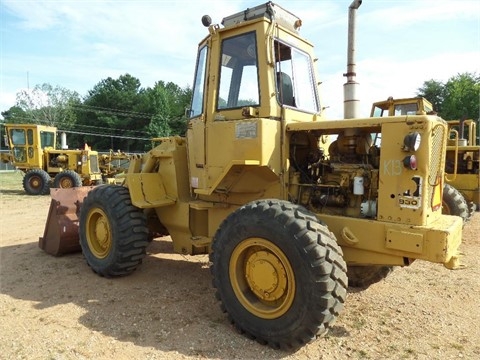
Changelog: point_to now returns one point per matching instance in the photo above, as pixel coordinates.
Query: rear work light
(410, 162)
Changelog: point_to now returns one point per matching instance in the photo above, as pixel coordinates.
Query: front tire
(36, 182)
(67, 179)
(279, 273)
(113, 232)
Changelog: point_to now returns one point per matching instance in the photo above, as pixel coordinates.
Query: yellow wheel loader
(461, 195)
(290, 207)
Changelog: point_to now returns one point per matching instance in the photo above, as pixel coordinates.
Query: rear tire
(113, 232)
(67, 179)
(36, 182)
(453, 203)
(279, 273)
(364, 276)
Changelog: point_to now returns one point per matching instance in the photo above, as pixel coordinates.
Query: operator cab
(27, 142)
(401, 107)
(235, 57)
(253, 76)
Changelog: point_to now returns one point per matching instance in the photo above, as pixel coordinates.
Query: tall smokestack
(350, 101)
(63, 141)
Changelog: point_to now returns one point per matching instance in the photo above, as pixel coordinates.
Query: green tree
(433, 91)
(48, 105)
(168, 103)
(15, 115)
(115, 115)
(458, 97)
(462, 97)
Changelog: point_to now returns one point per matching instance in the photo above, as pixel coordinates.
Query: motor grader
(33, 151)
(113, 164)
(461, 195)
(289, 206)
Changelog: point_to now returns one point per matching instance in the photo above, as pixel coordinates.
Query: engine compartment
(335, 174)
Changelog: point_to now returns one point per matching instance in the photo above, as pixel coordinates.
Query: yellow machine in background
(462, 181)
(33, 150)
(463, 160)
(289, 219)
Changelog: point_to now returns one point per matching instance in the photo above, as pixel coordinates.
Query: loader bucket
(61, 229)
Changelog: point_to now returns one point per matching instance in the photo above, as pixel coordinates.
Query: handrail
(455, 132)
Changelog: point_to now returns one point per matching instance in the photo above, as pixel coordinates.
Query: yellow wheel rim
(99, 234)
(262, 278)
(66, 183)
(35, 182)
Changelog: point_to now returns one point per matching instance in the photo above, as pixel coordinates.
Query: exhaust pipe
(462, 127)
(63, 141)
(350, 102)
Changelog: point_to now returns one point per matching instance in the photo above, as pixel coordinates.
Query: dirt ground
(57, 308)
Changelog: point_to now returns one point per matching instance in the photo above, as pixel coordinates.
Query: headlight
(412, 141)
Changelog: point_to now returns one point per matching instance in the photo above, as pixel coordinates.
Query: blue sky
(76, 44)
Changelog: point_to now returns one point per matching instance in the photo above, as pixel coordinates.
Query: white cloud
(7, 100)
(33, 14)
(380, 78)
(404, 13)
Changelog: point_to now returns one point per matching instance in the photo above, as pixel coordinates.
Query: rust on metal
(61, 229)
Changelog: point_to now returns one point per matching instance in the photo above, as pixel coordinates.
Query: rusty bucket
(61, 229)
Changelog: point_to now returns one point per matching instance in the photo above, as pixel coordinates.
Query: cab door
(196, 126)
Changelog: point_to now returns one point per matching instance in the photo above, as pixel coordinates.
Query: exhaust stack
(63, 141)
(350, 101)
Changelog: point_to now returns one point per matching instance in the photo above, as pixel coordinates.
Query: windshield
(239, 73)
(18, 136)
(406, 109)
(379, 112)
(47, 138)
(198, 87)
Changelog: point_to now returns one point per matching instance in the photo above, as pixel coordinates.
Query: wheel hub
(265, 275)
(35, 182)
(66, 183)
(101, 232)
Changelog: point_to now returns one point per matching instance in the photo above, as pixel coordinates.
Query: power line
(90, 108)
(80, 126)
(76, 125)
(73, 126)
(104, 135)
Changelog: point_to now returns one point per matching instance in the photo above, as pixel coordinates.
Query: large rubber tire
(113, 232)
(67, 179)
(279, 273)
(364, 276)
(36, 182)
(453, 203)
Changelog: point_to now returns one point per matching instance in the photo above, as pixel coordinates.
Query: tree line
(117, 114)
(120, 114)
(458, 97)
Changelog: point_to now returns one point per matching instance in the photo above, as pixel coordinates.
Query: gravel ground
(57, 308)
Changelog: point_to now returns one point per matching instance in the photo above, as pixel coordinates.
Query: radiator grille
(436, 158)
